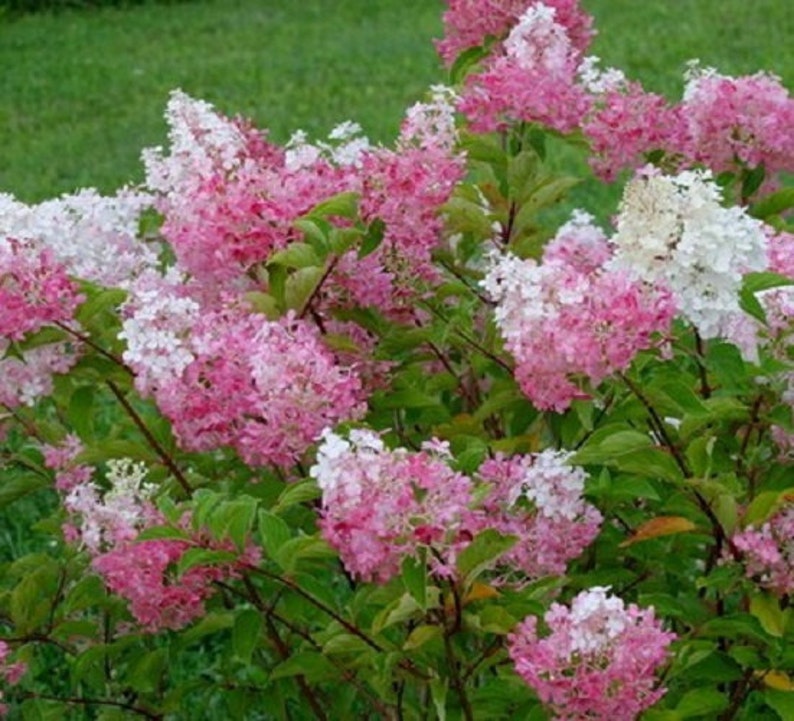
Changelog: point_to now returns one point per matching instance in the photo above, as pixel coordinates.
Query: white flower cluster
(106, 519)
(156, 326)
(431, 123)
(346, 148)
(596, 620)
(95, 237)
(674, 231)
(336, 454)
(554, 486)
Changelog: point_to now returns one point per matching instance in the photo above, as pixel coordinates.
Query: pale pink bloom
(28, 376)
(265, 388)
(143, 573)
(768, 552)
(35, 289)
(598, 660)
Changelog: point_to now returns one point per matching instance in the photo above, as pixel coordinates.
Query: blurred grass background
(83, 90)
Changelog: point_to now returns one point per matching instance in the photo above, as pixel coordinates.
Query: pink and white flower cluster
(768, 552)
(107, 521)
(537, 72)
(598, 660)
(574, 315)
(229, 377)
(539, 500)
(381, 506)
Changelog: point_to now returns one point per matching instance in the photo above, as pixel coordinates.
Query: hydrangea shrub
(339, 430)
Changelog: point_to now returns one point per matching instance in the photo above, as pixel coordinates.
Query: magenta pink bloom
(143, 573)
(626, 124)
(573, 317)
(598, 660)
(381, 506)
(34, 290)
(537, 498)
(533, 78)
(735, 122)
(467, 23)
(265, 388)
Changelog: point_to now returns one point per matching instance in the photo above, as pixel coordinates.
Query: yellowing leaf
(480, 592)
(661, 526)
(778, 680)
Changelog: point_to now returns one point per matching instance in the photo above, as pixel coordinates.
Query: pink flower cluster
(265, 388)
(26, 377)
(381, 506)
(572, 316)
(143, 573)
(531, 79)
(468, 23)
(108, 523)
(230, 199)
(597, 662)
(538, 499)
(34, 290)
(734, 122)
(10, 673)
(768, 552)
(536, 72)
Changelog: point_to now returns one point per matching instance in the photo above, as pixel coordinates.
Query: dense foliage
(339, 430)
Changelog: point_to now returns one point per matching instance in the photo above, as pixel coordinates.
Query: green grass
(84, 91)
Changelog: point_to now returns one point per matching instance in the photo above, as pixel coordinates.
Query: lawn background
(81, 92)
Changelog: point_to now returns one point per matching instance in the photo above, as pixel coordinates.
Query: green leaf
(482, 552)
(414, 577)
(296, 255)
(263, 303)
(782, 702)
(753, 283)
(194, 557)
(341, 205)
(464, 62)
(372, 239)
(18, 485)
(300, 285)
(766, 609)
(145, 673)
(522, 172)
(99, 301)
(438, 691)
(273, 532)
(773, 204)
(345, 643)
(310, 664)
(245, 633)
(303, 548)
(296, 493)
(701, 702)
(421, 635)
(752, 180)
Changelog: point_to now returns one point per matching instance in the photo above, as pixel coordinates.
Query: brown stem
(705, 388)
(84, 338)
(84, 701)
(329, 267)
(150, 439)
(405, 664)
(455, 678)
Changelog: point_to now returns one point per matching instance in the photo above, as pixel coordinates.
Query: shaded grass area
(83, 92)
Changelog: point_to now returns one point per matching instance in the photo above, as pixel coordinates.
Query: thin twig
(150, 439)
